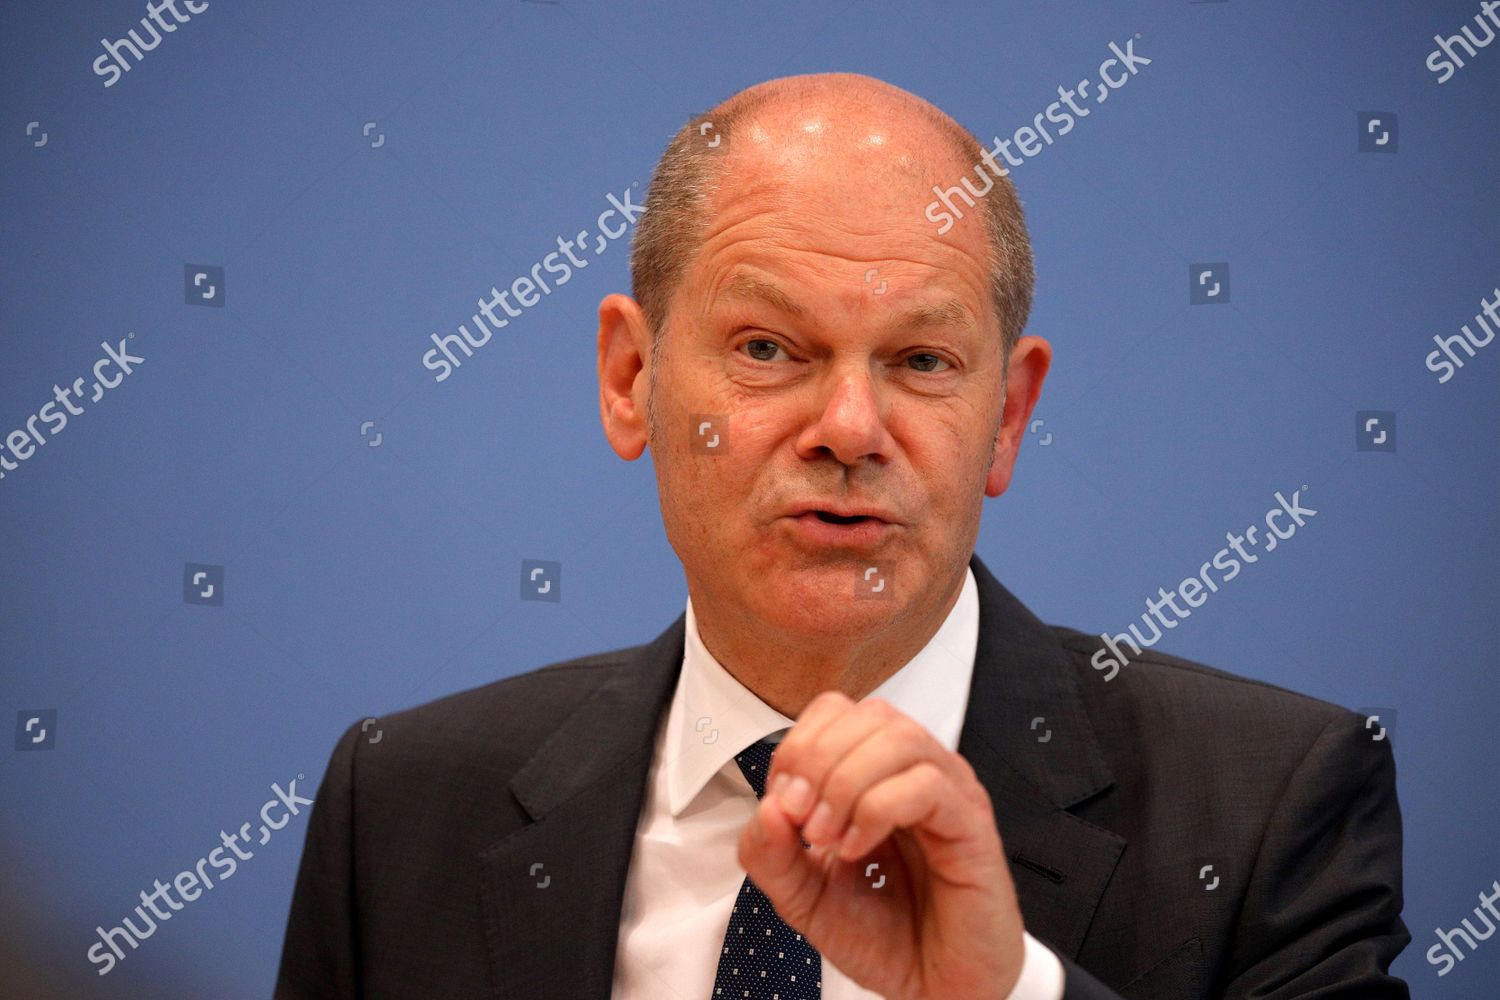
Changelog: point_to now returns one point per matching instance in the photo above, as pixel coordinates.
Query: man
(958, 804)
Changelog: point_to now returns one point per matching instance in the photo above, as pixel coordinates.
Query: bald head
(866, 139)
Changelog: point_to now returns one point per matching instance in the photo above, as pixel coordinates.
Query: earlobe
(1029, 361)
(1002, 458)
(622, 353)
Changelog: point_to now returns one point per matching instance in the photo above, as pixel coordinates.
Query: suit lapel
(1030, 742)
(551, 892)
(560, 879)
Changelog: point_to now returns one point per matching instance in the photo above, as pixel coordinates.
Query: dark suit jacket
(479, 848)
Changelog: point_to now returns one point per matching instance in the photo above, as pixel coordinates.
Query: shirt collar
(713, 716)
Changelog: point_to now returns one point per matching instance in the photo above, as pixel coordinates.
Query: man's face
(849, 361)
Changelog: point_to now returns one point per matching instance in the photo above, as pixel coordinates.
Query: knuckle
(908, 730)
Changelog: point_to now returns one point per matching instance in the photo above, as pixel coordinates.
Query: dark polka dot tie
(763, 958)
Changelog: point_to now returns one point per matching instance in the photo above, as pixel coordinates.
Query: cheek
(944, 456)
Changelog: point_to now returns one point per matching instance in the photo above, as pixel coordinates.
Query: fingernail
(776, 783)
(796, 795)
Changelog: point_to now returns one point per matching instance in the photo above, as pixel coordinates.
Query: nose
(851, 424)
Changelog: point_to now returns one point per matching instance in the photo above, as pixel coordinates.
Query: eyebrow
(750, 288)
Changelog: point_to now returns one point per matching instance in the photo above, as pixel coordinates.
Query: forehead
(935, 311)
(828, 198)
(855, 166)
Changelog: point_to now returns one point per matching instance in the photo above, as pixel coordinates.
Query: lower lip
(815, 529)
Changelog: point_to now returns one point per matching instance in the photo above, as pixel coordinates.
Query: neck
(787, 670)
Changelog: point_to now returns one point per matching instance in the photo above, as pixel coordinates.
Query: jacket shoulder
(1172, 699)
(552, 686)
(491, 728)
(1164, 675)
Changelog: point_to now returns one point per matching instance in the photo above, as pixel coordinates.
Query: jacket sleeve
(319, 956)
(1322, 909)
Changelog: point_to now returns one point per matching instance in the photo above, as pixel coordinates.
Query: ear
(624, 357)
(1029, 361)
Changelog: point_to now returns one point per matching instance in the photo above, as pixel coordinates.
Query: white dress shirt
(684, 873)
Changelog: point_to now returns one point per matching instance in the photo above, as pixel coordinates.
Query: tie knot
(755, 762)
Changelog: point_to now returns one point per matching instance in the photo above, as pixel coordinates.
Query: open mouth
(825, 516)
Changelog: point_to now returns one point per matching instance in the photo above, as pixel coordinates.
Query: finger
(813, 758)
(772, 854)
(821, 711)
(924, 799)
(893, 745)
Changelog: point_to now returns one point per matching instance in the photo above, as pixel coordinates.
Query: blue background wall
(359, 579)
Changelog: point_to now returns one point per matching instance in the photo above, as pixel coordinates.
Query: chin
(827, 599)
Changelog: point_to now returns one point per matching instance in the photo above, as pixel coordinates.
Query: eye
(762, 349)
(926, 361)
